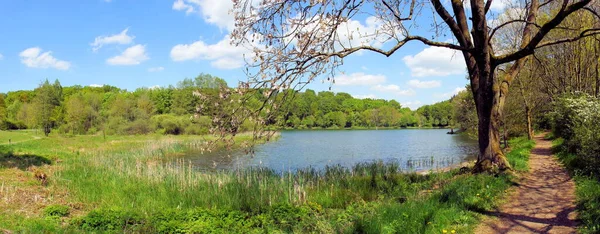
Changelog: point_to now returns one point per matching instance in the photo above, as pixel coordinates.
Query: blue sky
(160, 42)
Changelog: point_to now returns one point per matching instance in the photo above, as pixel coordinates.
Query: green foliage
(575, 122)
(587, 188)
(56, 210)
(576, 119)
(465, 114)
(78, 110)
(46, 105)
(437, 115)
(115, 220)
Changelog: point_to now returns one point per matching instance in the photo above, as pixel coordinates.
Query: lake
(412, 149)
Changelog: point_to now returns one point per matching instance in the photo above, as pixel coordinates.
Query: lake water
(412, 149)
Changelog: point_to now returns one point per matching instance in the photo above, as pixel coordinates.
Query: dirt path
(543, 202)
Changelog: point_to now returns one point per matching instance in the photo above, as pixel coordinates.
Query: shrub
(140, 126)
(169, 123)
(56, 210)
(576, 119)
(195, 129)
(109, 220)
(12, 125)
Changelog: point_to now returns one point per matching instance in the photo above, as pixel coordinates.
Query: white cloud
(394, 89)
(435, 61)
(131, 56)
(156, 69)
(448, 94)
(121, 38)
(213, 12)
(350, 33)
(222, 54)
(154, 87)
(359, 78)
(371, 96)
(355, 33)
(364, 68)
(180, 5)
(497, 5)
(424, 84)
(33, 57)
(1, 56)
(413, 105)
(96, 85)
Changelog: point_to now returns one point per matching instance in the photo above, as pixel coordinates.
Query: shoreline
(468, 163)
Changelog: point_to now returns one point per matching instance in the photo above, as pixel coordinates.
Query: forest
(173, 110)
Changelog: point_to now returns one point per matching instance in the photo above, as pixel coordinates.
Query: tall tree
(3, 112)
(47, 99)
(295, 42)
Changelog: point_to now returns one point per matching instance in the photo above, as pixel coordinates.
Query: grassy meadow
(133, 184)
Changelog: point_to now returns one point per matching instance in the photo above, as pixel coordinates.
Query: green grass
(587, 189)
(518, 156)
(18, 136)
(142, 190)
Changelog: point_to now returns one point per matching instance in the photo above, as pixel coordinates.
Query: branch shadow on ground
(528, 222)
(10, 160)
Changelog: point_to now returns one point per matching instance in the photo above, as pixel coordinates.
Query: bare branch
(439, 8)
(387, 53)
(488, 4)
(397, 15)
(582, 35)
(529, 48)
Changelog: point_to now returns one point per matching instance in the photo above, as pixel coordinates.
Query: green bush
(139, 127)
(576, 119)
(7, 124)
(279, 218)
(56, 210)
(169, 123)
(109, 220)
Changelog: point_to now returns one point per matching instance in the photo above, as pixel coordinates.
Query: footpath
(543, 202)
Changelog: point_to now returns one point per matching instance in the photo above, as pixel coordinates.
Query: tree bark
(529, 127)
(490, 103)
(597, 52)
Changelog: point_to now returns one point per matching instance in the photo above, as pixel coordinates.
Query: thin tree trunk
(527, 107)
(597, 52)
(529, 126)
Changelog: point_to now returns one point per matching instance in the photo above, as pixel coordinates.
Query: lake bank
(112, 187)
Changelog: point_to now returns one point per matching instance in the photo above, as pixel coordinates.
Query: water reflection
(412, 149)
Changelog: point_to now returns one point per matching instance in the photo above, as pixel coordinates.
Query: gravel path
(543, 202)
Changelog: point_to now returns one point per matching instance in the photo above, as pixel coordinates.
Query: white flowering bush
(576, 118)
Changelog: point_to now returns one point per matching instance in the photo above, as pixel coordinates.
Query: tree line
(192, 106)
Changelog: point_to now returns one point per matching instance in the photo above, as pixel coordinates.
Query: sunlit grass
(133, 184)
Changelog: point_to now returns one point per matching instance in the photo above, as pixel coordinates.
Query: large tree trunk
(490, 104)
